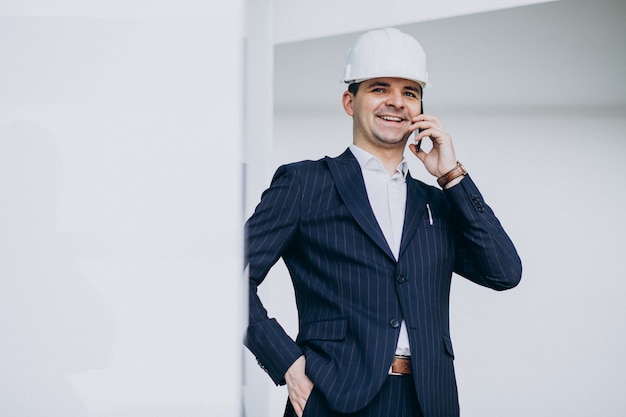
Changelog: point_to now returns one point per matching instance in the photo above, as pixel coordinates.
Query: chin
(393, 143)
(395, 140)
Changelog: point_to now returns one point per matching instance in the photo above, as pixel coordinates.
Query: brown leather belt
(401, 365)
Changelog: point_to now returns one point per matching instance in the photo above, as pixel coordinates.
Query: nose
(395, 99)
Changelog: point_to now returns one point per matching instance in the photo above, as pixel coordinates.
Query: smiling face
(382, 111)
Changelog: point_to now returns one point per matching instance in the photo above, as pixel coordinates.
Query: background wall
(120, 222)
(535, 101)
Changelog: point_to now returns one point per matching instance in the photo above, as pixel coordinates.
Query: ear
(348, 101)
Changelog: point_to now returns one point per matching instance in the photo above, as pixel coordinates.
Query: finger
(431, 134)
(415, 127)
(421, 117)
(436, 135)
(299, 395)
(425, 118)
(427, 126)
(428, 118)
(297, 407)
(302, 406)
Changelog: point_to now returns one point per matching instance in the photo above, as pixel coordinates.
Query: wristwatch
(455, 172)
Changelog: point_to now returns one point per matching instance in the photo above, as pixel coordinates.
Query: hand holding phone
(441, 157)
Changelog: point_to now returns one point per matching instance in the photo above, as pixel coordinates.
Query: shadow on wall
(52, 320)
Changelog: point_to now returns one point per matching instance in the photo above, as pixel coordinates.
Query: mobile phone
(418, 144)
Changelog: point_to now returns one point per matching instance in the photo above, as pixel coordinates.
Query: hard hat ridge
(386, 52)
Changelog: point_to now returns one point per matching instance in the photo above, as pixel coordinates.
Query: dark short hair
(353, 88)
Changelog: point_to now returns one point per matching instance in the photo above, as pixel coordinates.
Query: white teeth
(392, 119)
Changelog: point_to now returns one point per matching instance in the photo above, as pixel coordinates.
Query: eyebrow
(379, 84)
(384, 84)
(413, 88)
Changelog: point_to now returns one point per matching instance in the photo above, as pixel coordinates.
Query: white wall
(257, 154)
(330, 18)
(120, 222)
(552, 346)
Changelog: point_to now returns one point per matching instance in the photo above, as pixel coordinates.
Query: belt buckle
(402, 358)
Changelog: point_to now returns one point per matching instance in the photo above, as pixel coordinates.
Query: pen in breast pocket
(430, 214)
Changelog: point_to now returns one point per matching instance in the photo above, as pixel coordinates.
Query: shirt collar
(368, 161)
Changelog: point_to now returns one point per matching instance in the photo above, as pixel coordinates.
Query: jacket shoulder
(309, 167)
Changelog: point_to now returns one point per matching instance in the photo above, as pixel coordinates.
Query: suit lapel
(416, 200)
(348, 178)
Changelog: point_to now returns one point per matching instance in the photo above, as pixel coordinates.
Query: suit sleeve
(484, 253)
(269, 232)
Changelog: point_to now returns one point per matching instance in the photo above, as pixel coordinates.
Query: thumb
(420, 154)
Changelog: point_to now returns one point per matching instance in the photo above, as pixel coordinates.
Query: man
(371, 252)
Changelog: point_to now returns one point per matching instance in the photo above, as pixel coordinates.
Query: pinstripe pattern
(316, 215)
(396, 398)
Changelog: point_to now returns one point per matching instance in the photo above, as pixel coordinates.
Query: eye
(378, 90)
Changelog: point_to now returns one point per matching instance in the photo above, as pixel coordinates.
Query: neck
(390, 157)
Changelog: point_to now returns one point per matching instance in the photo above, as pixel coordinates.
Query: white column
(121, 128)
(257, 155)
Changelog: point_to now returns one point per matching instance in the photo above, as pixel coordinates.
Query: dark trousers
(397, 398)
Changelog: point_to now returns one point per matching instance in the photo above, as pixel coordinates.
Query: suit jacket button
(400, 278)
(394, 323)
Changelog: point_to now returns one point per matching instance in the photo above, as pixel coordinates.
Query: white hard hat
(386, 53)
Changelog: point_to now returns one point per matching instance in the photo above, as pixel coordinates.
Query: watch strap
(455, 172)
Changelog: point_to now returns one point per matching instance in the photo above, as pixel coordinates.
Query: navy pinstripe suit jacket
(350, 291)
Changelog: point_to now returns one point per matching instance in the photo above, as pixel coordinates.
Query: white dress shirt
(387, 196)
